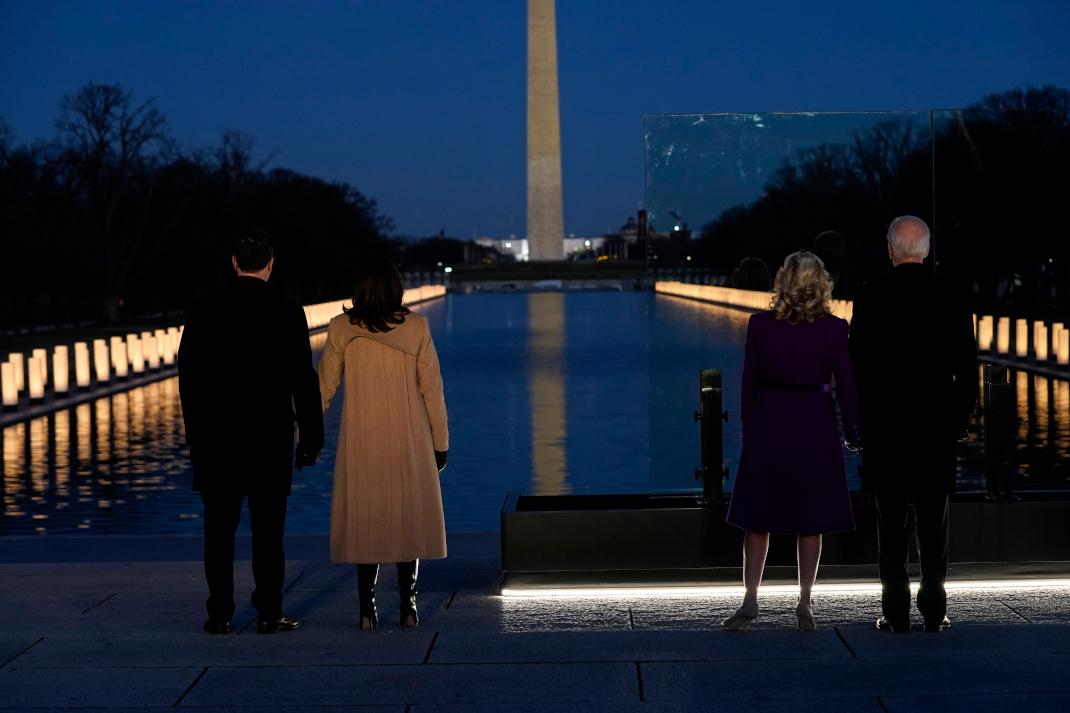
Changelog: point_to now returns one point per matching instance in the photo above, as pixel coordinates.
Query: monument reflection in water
(549, 462)
(549, 393)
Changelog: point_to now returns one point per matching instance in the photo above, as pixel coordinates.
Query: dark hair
(377, 294)
(253, 251)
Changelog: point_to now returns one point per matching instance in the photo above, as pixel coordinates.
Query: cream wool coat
(387, 505)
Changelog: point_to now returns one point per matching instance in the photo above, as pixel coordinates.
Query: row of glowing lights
(989, 331)
(1037, 340)
(118, 357)
(733, 591)
(122, 356)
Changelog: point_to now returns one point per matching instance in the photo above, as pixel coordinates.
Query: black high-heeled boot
(407, 572)
(366, 576)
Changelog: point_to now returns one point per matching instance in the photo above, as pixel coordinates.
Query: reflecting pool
(548, 393)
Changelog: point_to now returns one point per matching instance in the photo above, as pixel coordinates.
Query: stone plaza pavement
(113, 623)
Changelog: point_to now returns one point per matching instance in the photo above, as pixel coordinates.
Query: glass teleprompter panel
(729, 196)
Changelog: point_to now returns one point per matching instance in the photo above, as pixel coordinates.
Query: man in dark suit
(245, 376)
(915, 362)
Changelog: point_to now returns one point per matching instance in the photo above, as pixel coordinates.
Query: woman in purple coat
(791, 478)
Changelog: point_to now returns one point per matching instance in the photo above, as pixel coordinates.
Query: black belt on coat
(789, 386)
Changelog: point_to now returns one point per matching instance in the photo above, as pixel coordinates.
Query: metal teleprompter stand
(710, 417)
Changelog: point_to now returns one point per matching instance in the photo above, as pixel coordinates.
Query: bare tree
(234, 156)
(110, 141)
(881, 153)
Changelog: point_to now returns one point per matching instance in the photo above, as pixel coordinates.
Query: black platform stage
(642, 540)
(551, 542)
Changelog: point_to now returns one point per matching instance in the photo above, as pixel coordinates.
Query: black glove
(854, 446)
(440, 459)
(305, 458)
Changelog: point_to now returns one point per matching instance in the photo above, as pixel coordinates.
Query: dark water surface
(548, 393)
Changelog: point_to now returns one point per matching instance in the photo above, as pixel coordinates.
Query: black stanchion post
(999, 424)
(711, 417)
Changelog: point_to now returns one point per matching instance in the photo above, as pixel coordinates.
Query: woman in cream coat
(387, 505)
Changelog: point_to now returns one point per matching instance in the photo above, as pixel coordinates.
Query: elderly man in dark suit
(245, 377)
(915, 362)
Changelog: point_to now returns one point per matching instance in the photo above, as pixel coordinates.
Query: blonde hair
(802, 288)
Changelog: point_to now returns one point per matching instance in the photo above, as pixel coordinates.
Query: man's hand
(440, 459)
(305, 458)
(854, 446)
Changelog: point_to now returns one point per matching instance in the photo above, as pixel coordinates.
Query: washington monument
(546, 223)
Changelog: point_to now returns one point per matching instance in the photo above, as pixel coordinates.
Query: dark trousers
(930, 518)
(267, 518)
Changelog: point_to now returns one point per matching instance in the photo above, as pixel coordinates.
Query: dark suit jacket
(245, 368)
(915, 361)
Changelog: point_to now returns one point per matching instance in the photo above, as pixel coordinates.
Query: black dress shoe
(885, 625)
(274, 626)
(217, 626)
(938, 625)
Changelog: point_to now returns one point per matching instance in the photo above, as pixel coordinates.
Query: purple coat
(791, 478)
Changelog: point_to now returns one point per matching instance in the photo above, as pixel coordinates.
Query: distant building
(629, 232)
(518, 248)
(625, 244)
(511, 247)
(583, 248)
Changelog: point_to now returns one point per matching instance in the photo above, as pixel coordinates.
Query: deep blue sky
(421, 104)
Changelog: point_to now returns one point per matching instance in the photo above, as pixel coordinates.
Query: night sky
(420, 105)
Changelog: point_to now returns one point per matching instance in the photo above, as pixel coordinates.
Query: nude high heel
(805, 616)
(742, 619)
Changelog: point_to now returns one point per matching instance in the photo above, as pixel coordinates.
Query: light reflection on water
(548, 393)
(90, 467)
(546, 343)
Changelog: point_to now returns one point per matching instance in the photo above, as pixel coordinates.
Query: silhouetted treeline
(990, 180)
(111, 219)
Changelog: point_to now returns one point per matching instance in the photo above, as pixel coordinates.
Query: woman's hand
(440, 459)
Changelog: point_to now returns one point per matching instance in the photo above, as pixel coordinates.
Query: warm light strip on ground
(735, 590)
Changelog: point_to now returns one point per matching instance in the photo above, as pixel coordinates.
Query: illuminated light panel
(134, 350)
(61, 370)
(1040, 341)
(18, 363)
(7, 385)
(121, 360)
(1021, 337)
(165, 346)
(151, 351)
(101, 361)
(985, 333)
(81, 365)
(736, 590)
(34, 379)
(1003, 335)
(42, 356)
